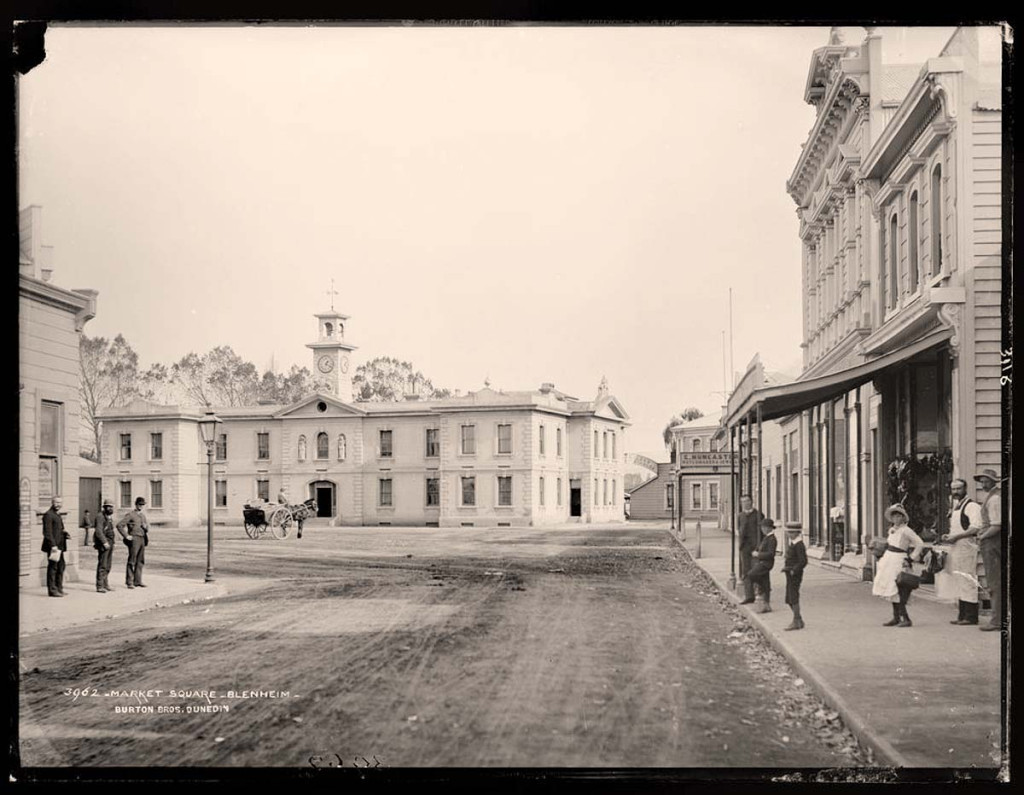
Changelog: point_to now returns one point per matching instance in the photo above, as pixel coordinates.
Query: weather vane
(332, 292)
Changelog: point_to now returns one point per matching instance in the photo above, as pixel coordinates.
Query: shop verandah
(852, 443)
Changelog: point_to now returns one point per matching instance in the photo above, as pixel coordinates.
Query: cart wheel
(251, 530)
(279, 523)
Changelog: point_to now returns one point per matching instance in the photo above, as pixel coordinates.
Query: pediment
(610, 408)
(310, 407)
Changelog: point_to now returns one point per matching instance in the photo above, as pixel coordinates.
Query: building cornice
(81, 303)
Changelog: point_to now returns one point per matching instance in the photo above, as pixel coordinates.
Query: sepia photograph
(587, 397)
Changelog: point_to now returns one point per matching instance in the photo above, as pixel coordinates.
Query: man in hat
(134, 529)
(103, 541)
(55, 544)
(990, 539)
(964, 522)
(749, 537)
(759, 575)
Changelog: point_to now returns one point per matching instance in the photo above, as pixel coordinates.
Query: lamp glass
(208, 427)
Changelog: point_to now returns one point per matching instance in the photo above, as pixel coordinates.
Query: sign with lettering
(703, 461)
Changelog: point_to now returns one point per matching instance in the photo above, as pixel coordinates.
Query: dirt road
(583, 647)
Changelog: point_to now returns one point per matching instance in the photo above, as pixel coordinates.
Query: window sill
(386, 508)
(467, 508)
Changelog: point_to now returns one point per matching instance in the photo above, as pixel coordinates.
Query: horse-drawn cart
(275, 518)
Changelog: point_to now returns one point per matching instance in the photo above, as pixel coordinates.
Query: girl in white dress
(899, 541)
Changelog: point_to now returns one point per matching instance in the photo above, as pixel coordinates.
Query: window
(540, 492)
(912, 234)
(384, 492)
(540, 441)
(505, 490)
(712, 496)
(433, 443)
(385, 444)
(263, 445)
(892, 287)
(222, 447)
(615, 491)
(469, 488)
(558, 492)
(126, 493)
(794, 478)
(263, 489)
(597, 483)
(49, 450)
(596, 451)
(126, 446)
(613, 446)
(605, 491)
(669, 494)
(696, 494)
(504, 439)
(433, 492)
(156, 446)
(604, 454)
(695, 446)
(220, 498)
(469, 440)
(323, 446)
(936, 220)
(778, 491)
(558, 441)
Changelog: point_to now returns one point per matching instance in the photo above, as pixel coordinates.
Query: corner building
(899, 196)
(489, 458)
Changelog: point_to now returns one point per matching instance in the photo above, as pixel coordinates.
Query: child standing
(793, 568)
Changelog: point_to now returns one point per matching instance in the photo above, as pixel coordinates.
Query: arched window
(893, 285)
(936, 220)
(696, 446)
(328, 329)
(322, 445)
(302, 448)
(912, 235)
(342, 447)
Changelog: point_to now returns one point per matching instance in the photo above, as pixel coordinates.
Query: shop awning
(792, 398)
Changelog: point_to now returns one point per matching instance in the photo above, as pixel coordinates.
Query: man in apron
(964, 523)
(990, 542)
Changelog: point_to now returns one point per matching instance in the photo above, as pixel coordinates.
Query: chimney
(546, 387)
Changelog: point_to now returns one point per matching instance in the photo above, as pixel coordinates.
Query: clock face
(344, 364)
(326, 364)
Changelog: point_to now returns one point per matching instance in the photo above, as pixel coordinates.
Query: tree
(109, 377)
(220, 377)
(386, 378)
(281, 388)
(686, 415)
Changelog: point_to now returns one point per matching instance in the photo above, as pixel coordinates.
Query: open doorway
(325, 494)
(575, 498)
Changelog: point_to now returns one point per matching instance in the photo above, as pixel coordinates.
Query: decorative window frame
(151, 435)
(256, 448)
(462, 440)
(380, 447)
(498, 504)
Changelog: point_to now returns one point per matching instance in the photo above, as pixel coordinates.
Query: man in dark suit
(55, 540)
(749, 532)
(134, 529)
(103, 540)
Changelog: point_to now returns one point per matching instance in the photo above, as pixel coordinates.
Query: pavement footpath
(922, 696)
(39, 612)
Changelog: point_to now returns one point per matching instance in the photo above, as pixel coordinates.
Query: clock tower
(331, 360)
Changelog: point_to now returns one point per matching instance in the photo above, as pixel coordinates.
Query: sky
(523, 204)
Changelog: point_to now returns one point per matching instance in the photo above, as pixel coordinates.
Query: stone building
(899, 196)
(486, 458)
(50, 323)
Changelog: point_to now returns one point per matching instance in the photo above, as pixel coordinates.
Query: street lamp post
(208, 428)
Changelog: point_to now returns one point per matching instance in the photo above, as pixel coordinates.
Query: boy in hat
(990, 543)
(103, 541)
(793, 567)
(763, 560)
(134, 529)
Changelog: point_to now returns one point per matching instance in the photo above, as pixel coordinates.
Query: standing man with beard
(55, 544)
(103, 541)
(964, 523)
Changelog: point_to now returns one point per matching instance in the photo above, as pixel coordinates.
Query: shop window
(696, 496)
(50, 442)
(712, 496)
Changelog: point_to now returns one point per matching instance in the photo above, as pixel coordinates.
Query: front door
(575, 502)
(324, 498)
